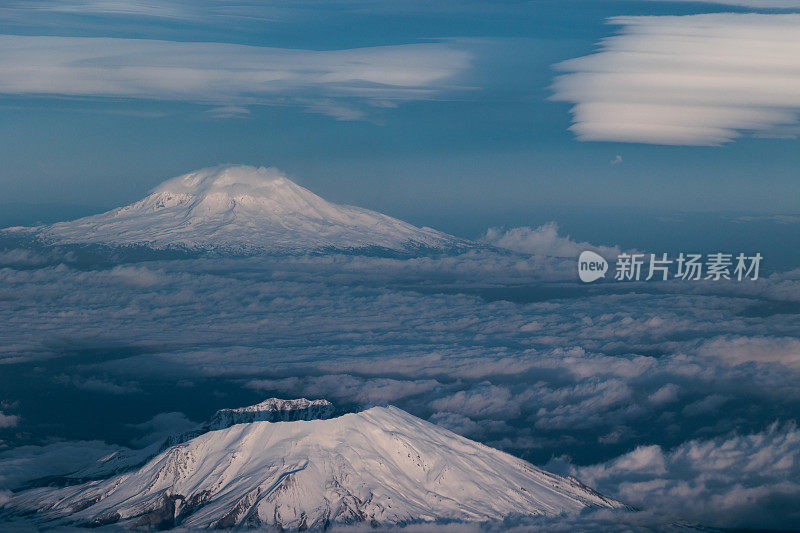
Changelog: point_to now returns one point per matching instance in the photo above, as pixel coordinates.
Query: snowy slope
(381, 465)
(270, 410)
(241, 209)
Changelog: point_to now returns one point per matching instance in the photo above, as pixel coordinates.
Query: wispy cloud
(163, 9)
(689, 80)
(229, 111)
(757, 4)
(228, 75)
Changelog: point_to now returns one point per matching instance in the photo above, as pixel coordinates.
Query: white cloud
(544, 240)
(98, 384)
(666, 394)
(483, 401)
(8, 421)
(229, 76)
(687, 80)
(757, 4)
(229, 111)
(142, 8)
(455, 422)
(223, 13)
(161, 426)
(346, 388)
(23, 464)
(737, 350)
(708, 405)
(732, 481)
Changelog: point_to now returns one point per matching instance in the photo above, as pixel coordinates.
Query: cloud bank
(483, 343)
(742, 480)
(228, 76)
(687, 80)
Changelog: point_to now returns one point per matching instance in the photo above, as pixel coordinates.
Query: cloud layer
(228, 76)
(687, 80)
(750, 480)
(501, 346)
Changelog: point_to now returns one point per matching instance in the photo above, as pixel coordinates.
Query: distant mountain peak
(225, 179)
(242, 209)
(381, 466)
(228, 188)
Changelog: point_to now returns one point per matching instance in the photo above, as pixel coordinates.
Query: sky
(461, 114)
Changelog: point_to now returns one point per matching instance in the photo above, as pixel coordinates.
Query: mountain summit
(381, 466)
(242, 209)
(127, 459)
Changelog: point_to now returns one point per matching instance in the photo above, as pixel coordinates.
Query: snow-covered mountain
(241, 209)
(381, 466)
(270, 410)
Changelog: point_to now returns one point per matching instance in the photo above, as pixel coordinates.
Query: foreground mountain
(241, 209)
(381, 466)
(270, 410)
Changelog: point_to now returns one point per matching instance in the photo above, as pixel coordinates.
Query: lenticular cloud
(226, 75)
(687, 80)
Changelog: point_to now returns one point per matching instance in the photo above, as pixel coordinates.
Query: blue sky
(433, 112)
